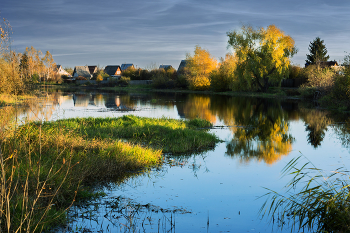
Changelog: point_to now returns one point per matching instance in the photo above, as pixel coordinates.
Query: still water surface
(217, 190)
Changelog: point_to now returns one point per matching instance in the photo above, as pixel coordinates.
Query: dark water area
(217, 190)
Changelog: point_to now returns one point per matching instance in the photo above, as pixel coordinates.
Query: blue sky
(155, 32)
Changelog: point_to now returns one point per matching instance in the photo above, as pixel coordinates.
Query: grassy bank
(45, 166)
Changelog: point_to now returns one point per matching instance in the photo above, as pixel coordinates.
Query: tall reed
(321, 205)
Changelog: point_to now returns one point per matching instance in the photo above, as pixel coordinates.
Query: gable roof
(112, 70)
(328, 63)
(82, 71)
(61, 71)
(182, 65)
(92, 69)
(125, 66)
(165, 67)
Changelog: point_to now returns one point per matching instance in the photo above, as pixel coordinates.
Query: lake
(213, 191)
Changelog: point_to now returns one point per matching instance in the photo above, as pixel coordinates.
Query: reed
(321, 205)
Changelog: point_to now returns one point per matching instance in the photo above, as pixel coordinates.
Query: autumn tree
(224, 78)
(199, 66)
(318, 52)
(49, 66)
(263, 55)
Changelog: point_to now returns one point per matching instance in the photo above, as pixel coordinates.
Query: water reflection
(316, 123)
(262, 133)
(254, 130)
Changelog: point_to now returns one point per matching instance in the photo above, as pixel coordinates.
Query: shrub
(80, 78)
(123, 81)
(10, 80)
(319, 81)
(163, 78)
(224, 79)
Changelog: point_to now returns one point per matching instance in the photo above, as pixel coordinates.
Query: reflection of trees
(198, 106)
(316, 123)
(263, 134)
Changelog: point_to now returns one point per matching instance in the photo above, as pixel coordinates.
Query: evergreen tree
(318, 52)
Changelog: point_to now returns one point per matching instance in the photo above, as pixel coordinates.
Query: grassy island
(46, 166)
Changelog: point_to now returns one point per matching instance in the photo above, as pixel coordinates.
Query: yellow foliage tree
(200, 65)
(263, 55)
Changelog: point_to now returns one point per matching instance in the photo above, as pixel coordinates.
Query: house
(329, 64)
(113, 70)
(82, 71)
(325, 64)
(92, 69)
(165, 67)
(60, 71)
(126, 66)
(182, 65)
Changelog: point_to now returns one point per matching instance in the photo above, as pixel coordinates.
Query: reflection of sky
(222, 186)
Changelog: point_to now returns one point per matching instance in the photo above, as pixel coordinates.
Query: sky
(155, 32)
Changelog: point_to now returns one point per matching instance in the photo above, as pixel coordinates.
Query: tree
(49, 65)
(318, 52)
(263, 55)
(200, 65)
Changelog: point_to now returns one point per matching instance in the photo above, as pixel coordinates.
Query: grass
(321, 205)
(45, 167)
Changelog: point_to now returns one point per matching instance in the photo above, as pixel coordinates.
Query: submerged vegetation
(45, 165)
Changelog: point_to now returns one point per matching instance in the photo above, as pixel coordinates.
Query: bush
(224, 79)
(80, 78)
(163, 78)
(319, 81)
(123, 81)
(10, 80)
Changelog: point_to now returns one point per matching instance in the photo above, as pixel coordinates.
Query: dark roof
(328, 63)
(165, 67)
(125, 66)
(182, 65)
(111, 69)
(92, 69)
(82, 71)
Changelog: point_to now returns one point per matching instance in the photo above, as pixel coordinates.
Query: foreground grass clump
(45, 166)
(170, 135)
(321, 205)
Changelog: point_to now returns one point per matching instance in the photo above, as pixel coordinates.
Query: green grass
(46, 166)
(169, 135)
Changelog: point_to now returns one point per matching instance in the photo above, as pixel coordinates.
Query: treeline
(19, 70)
(260, 60)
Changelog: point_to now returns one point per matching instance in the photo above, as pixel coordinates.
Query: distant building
(165, 67)
(182, 65)
(326, 64)
(82, 71)
(113, 70)
(125, 66)
(60, 71)
(92, 69)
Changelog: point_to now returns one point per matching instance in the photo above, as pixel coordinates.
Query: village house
(82, 71)
(60, 71)
(113, 70)
(92, 69)
(182, 65)
(126, 66)
(165, 67)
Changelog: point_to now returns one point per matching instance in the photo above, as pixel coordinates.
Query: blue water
(208, 192)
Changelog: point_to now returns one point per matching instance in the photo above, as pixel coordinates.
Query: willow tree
(263, 55)
(200, 65)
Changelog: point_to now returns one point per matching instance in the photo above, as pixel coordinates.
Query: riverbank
(286, 93)
(50, 165)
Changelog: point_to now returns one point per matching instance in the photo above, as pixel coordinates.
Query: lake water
(217, 190)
